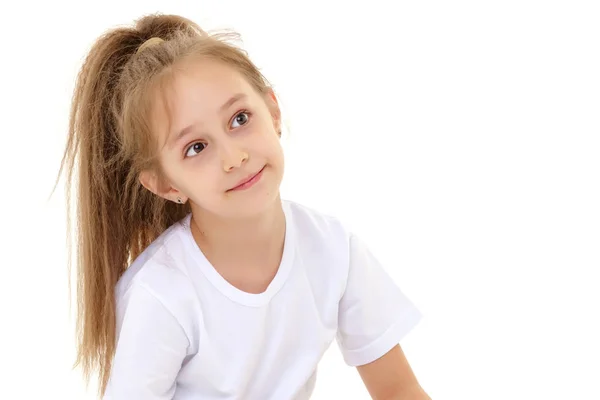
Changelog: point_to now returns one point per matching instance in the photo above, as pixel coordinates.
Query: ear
(151, 181)
(273, 105)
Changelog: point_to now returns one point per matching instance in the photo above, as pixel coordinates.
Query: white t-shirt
(184, 332)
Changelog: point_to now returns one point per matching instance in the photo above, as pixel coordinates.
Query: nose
(232, 156)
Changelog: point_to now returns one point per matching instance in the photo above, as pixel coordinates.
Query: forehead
(195, 80)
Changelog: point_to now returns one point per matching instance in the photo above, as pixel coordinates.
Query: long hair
(109, 143)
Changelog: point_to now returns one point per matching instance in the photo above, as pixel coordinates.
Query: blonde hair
(110, 142)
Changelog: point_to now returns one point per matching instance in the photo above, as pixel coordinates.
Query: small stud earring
(179, 200)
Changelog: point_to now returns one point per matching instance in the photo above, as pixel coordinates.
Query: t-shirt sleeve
(374, 314)
(151, 346)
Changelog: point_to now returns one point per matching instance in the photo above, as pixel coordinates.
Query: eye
(194, 149)
(240, 119)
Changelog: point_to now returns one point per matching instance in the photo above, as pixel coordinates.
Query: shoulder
(312, 223)
(325, 228)
(322, 239)
(159, 272)
(158, 267)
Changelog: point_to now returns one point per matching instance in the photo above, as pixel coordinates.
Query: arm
(391, 378)
(374, 316)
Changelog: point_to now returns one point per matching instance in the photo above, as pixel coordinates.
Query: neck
(241, 240)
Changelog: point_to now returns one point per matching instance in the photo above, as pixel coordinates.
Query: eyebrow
(237, 97)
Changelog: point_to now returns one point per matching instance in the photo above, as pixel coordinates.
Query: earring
(179, 200)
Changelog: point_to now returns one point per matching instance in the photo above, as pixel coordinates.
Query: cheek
(180, 174)
(263, 140)
(269, 147)
(276, 157)
(204, 176)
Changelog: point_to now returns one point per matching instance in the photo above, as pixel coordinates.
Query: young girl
(196, 281)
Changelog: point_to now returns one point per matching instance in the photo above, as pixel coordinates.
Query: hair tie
(150, 42)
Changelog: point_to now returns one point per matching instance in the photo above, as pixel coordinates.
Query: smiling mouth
(248, 182)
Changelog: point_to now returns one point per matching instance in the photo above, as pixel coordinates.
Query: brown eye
(194, 149)
(240, 119)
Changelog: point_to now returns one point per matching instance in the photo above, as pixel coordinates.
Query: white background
(460, 139)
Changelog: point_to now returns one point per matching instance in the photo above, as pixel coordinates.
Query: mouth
(248, 181)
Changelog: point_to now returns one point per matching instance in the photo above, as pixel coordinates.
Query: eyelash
(249, 115)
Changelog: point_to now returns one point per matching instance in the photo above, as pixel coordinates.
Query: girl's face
(222, 133)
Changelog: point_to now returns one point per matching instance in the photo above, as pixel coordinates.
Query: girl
(196, 281)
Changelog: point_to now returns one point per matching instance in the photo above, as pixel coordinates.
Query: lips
(248, 179)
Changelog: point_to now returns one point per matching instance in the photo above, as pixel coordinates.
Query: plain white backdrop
(460, 139)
